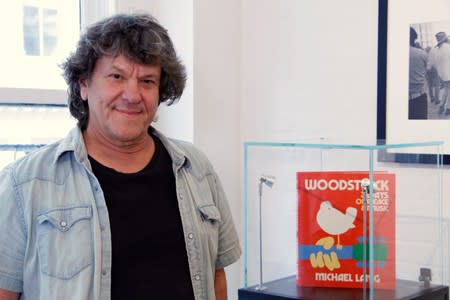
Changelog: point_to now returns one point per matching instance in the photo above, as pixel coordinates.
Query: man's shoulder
(186, 146)
(36, 164)
(43, 153)
(418, 55)
(418, 51)
(191, 152)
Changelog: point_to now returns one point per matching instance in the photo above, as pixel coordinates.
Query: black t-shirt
(149, 259)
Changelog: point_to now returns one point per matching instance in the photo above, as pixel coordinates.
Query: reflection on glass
(31, 30)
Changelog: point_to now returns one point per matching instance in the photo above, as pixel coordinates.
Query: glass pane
(50, 31)
(31, 30)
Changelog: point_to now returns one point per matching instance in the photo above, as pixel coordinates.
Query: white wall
(309, 69)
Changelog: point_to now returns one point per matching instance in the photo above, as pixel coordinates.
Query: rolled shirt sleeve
(229, 249)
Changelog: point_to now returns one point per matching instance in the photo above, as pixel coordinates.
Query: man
(433, 80)
(116, 210)
(443, 67)
(418, 100)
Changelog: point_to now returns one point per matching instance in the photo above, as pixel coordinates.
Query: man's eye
(149, 82)
(116, 76)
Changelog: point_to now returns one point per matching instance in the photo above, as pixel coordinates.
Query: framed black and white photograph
(414, 73)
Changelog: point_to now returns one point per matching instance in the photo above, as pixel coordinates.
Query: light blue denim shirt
(55, 239)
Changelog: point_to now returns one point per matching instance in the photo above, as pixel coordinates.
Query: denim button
(191, 236)
(63, 224)
(197, 277)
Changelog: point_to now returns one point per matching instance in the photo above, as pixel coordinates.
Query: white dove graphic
(333, 221)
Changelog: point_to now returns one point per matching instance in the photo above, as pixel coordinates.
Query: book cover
(330, 230)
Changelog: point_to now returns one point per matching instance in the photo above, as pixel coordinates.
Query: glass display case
(342, 221)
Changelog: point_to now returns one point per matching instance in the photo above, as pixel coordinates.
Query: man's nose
(131, 91)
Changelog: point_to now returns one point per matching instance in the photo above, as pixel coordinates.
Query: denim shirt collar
(74, 142)
(178, 155)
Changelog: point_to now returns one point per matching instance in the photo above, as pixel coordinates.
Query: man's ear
(83, 88)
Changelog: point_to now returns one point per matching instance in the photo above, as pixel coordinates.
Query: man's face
(123, 97)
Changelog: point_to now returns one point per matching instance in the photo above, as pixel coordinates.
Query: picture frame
(394, 122)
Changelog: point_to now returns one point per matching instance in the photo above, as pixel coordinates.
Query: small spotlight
(268, 180)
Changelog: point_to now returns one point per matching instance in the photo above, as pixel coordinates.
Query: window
(31, 30)
(39, 34)
(40, 30)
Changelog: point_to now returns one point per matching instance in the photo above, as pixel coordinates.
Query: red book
(330, 230)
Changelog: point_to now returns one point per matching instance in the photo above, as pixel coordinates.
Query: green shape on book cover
(379, 254)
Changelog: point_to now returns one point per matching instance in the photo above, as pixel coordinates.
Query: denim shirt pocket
(210, 217)
(65, 241)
